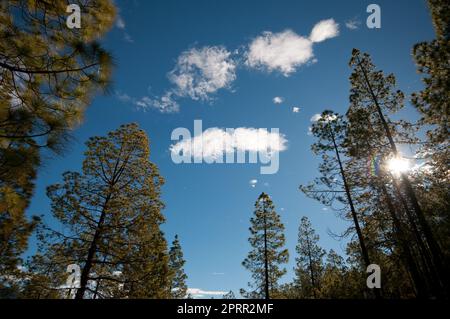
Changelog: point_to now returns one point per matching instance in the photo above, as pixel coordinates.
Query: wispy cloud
(164, 104)
(286, 51)
(120, 22)
(218, 273)
(352, 24)
(215, 142)
(295, 109)
(121, 25)
(253, 183)
(199, 73)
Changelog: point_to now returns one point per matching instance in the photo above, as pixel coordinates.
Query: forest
(112, 211)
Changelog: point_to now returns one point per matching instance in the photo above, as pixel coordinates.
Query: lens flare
(398, 165)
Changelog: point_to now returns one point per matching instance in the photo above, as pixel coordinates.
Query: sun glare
(398, 165)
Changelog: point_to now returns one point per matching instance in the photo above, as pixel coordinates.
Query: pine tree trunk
(91, 253)
(362, 244)
(418, 281)
(266, 262)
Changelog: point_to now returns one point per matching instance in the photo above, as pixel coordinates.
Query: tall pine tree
(265, 259)
(178, 287)
(309, 261)
(110, 215)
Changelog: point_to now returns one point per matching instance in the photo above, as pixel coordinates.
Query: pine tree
(266, 257)
(375, 94)
(384, 214)
(432, 59)
(333, 186)
(178, 287)
(333, 283)
(229, 295)
(48, 74)
(309, 261)
(110, 213)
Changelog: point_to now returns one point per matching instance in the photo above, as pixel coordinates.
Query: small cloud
(295, 109)
(309, 131)
(253, 182)
(123, 97)
(198, 293)
(352, 24)
(164, 104)
(315, 117)
(120, 23)
(324, 209)
(323, 30)
(127, 38)
(278, 100)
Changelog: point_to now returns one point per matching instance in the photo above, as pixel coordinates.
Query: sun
(398, 165)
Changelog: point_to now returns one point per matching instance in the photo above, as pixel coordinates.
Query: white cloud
(295, 109)
(278, 100)
(123, 97)
(120, 23)
(164, 104)
(214, 142)
(324, 30)
(253, 182)
(128, 38)
(283, 52)
(197, 292)
(202, 72)
(352, 24)
(286, 51)
(315, 117)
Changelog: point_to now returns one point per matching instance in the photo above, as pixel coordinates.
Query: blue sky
(209, 206)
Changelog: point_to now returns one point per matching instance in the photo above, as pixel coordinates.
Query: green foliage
(111, 213)
(267, 240)
(48, 74)
(178, 287)
(309, 262)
